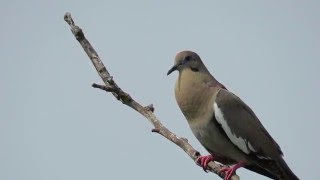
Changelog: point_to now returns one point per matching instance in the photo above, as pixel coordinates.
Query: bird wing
(242, 126)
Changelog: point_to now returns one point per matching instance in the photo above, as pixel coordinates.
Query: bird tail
(285, 172)
(274, 169)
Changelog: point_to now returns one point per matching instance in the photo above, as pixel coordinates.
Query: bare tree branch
(125, 98)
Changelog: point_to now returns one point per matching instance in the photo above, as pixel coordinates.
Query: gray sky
(53, 125)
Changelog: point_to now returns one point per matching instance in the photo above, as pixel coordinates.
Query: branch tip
(156, 130)
(94, 85)
(149, 108)
(67, 17)
(104, 87)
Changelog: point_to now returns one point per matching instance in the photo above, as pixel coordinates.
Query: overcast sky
(55, 126)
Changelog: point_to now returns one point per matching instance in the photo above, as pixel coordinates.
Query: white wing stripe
(250, 147)
(238, 141)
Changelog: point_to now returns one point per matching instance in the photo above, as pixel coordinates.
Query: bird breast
(192, 96)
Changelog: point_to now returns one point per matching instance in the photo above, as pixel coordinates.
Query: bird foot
(203, 161)
(229, 171)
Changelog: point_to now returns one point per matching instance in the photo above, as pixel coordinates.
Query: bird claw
(229, 171)
(203, 161)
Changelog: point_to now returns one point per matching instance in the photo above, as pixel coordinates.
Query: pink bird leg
(203, 161)
(229, 171)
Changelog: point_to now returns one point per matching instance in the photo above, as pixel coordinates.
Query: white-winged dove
(224, 124)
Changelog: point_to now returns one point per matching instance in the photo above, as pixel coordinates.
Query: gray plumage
(223, 123)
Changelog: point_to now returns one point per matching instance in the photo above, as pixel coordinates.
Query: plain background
(55, 126)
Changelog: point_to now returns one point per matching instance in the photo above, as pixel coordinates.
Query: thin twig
(125, 98)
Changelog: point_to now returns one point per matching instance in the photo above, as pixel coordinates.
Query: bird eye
(187, 58)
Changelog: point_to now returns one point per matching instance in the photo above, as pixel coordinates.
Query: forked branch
(147, 111)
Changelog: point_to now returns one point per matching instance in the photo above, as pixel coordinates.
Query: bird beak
(175, 67)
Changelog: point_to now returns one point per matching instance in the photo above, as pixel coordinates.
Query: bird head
(187, 60)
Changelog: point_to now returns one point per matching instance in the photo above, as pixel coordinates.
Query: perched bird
(224, 124)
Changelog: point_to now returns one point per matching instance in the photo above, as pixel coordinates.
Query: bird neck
(192, 91)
